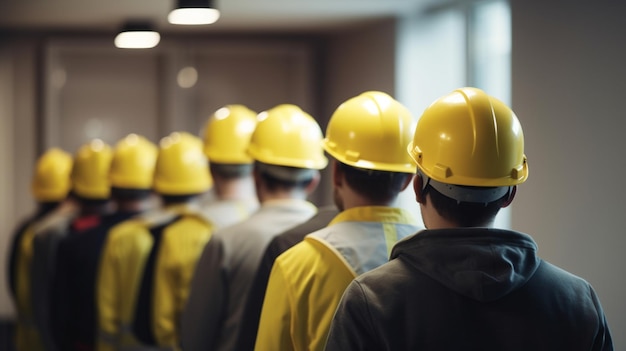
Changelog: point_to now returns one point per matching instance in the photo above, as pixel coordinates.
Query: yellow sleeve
(180, 250)
(107, 298)
(121, 265)
(27, 335)
(275, 322)
(305, 286)
(24, 262)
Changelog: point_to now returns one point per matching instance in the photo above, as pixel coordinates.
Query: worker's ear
(337, 174)
(418, 184)
(511, 196)
(407, 181)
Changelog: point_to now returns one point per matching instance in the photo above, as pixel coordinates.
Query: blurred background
(560, 64)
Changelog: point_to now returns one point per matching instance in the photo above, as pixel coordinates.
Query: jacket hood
(481, 263)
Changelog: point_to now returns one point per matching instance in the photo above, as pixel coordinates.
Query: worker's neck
(351, 199)
(294, 194)
(234, 188)
(432, 219)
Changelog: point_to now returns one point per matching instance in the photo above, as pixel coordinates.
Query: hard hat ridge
(227, 134)
(469, 138)
(134, 160)
(90, 173)
(181, 166)
(51, 180)
(371, 131)
(288, 136)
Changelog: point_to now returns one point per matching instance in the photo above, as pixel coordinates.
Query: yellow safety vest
(308, 280)
(329, 270)
(27, 337)
(122, 266)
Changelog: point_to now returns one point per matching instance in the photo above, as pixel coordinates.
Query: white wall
(431, 58)
(569, 82)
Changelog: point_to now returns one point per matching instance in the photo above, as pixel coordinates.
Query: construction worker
(365, 135)
(462, 284)
(50, 188)
(148, 261)
(90, 191)
(130, 177)
(278, 245)
(288, 156)
(226, 138)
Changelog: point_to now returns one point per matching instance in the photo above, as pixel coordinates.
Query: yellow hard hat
(227, 134)
(470, 138)
(51, 181)
(371, 131)
(133, 163)
(90, 175)
(287, 136)
(181, 167)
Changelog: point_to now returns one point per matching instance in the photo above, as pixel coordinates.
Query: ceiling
(237, 15)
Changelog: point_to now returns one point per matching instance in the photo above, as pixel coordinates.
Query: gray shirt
(224, 274)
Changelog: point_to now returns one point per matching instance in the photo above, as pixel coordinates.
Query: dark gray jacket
(469, 289)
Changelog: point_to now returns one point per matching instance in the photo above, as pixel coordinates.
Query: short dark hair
(129, 194)
(373, 184)
(290, 177)
(230, 170)
(85, 201)
(464, 214)
(177, 199)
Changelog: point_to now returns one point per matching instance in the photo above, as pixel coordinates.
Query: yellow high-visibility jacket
(122, 266)
(27, 336)
(308, 280)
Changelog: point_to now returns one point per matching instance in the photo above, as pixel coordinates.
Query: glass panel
(489, 55)
(490, 48)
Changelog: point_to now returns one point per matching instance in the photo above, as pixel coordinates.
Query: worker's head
(469, 150)
(286, 148)
(368, 135)
(90, 174)
(227, 135)
(181, 168)
(51, 180)
(132, 168)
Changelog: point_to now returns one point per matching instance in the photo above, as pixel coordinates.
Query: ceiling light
(194, 12)
(137, 35)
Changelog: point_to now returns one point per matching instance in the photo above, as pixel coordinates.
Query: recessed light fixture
(137, 35)
(194, 12)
